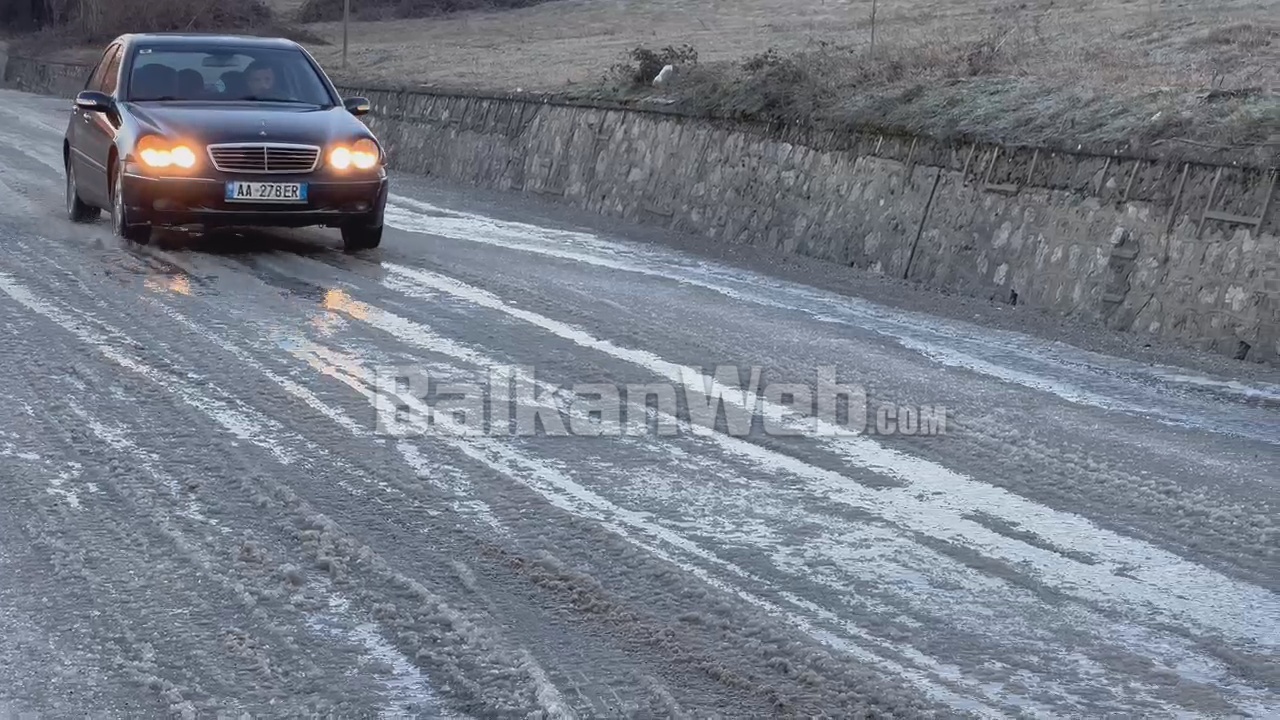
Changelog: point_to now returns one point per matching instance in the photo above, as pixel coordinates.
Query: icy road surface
(200, 515)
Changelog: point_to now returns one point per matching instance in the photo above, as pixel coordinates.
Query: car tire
(77, 210)
(121, 223)
(361, 237)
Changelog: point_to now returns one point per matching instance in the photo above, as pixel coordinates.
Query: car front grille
(264, 158)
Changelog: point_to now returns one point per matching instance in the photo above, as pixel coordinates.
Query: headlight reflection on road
(338, 301)
(179, 284)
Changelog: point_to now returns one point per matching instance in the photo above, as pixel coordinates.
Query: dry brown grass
(330, 10)
(575, 41)
(106, 19)
(1096, 71)
(1033, 71)
(75, 30)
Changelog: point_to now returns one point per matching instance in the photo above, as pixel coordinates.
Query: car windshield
(226, 74)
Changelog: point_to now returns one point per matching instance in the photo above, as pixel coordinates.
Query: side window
(100, 71)
(109, 82)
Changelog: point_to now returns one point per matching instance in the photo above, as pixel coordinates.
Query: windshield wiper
(161, 98)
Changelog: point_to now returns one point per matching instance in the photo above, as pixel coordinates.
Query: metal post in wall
(346, 21)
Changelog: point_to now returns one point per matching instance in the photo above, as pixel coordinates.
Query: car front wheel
(121, 223)
(77, 210)
(361, 237)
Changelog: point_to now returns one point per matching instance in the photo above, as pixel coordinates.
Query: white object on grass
(664, 76)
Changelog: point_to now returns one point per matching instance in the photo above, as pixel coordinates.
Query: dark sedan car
(221, 131)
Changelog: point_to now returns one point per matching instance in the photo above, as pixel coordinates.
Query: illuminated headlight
(363, 155)
(159, 153)
(340, 158)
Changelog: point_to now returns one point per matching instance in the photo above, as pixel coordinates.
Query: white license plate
(242, 191)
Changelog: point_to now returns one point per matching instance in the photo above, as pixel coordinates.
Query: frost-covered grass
(1194, 79)
(1088, 71)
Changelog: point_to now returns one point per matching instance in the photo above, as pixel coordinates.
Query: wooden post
(1208, 206)
(964, 174)
(937, 177)
(346, 21)
(1177, 198)
(1129, 185)
(1266, 203)
(873, 29)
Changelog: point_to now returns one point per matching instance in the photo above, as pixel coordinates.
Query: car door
(76, 135)
(96, 132)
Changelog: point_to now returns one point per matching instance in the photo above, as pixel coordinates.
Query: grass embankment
(1194, 80)
(1190, 80)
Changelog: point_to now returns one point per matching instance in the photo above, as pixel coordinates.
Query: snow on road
(202, 515)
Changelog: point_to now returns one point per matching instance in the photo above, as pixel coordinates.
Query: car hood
(208, 123)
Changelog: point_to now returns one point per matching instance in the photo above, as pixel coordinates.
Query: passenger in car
(190, 84)
(154, 81)
(233, 84)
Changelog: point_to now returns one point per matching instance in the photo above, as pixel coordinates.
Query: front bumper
(333, 201)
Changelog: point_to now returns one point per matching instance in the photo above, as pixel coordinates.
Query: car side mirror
(93, 101)
(357, 106)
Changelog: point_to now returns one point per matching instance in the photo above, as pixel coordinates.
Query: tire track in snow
(242, 426)
(345, 368)
(1201, 507)
(948, 344)
(1157, 584)
(837, 481)
(422, 337)
(546, 691)
(163, 516)
(568, 495)
(406, 687)
(310, 401)
(561, 491)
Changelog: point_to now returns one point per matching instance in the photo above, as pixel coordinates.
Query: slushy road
(200, 514)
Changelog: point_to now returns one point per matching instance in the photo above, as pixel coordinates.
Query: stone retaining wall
(61, 79)
(1123, 241)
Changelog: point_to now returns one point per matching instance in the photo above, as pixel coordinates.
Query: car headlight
(362, 154)
(157, 152)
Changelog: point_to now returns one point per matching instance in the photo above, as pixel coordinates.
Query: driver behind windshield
(261, 80)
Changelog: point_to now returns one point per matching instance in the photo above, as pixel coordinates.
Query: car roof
(206, 39)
